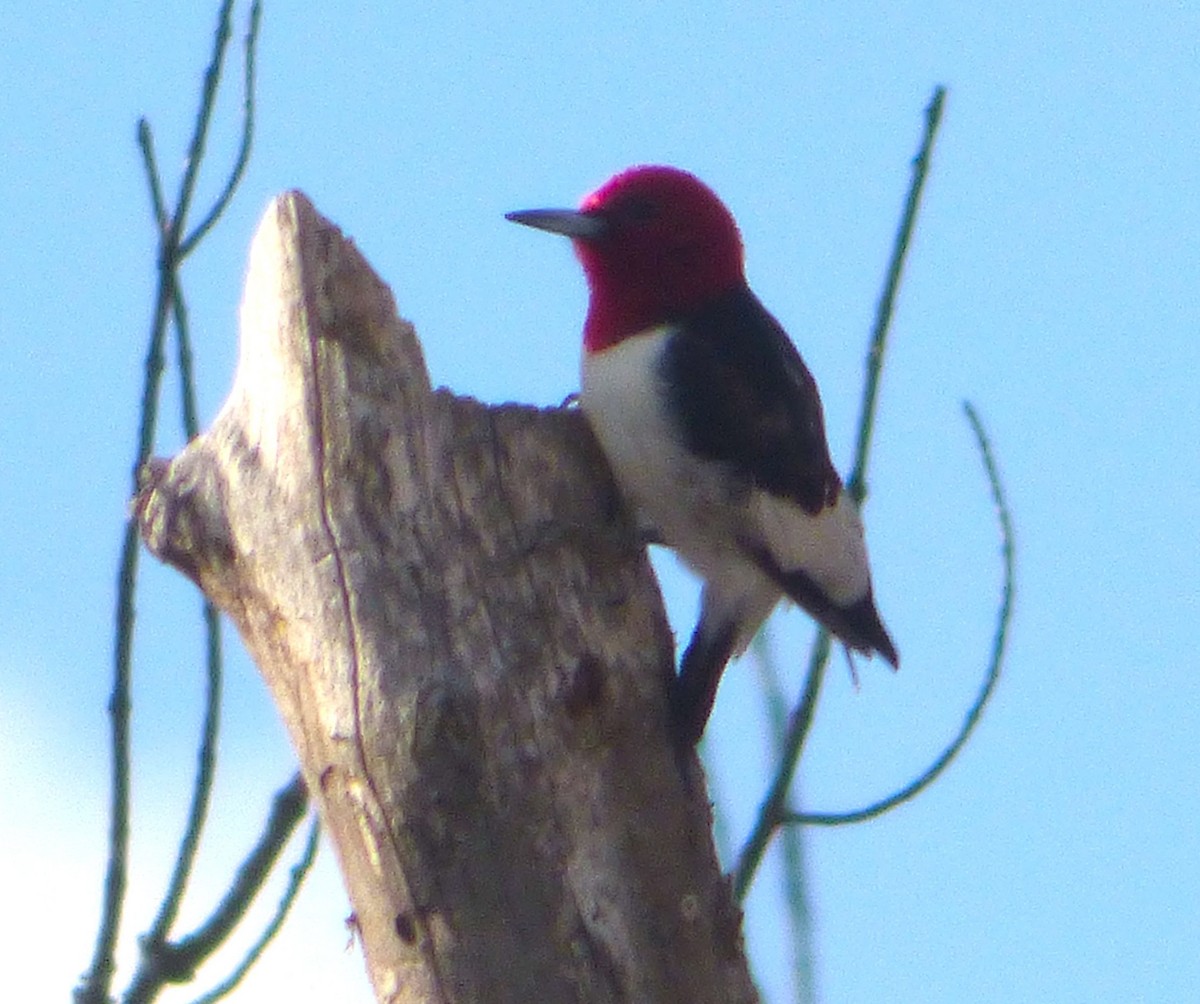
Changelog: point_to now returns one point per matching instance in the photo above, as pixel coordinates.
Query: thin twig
(1004, 615)
(795, 870)
(158, 203)
(169, 259)
(299, 871)
(95, 987)
(772, 808)
(202, 786)
(243, 157)
(189, 414)
(195, 154)
(214, 661)
(772, 811)
(207, 751)
(856, 485)
(176, 962)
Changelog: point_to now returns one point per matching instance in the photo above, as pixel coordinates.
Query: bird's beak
(568, 222)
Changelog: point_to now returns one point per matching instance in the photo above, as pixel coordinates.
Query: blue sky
(1053, 281)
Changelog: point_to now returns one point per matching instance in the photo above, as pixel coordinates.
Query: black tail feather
(857, 626)
(860, 628)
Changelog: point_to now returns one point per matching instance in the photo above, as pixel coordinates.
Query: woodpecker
(711, 423)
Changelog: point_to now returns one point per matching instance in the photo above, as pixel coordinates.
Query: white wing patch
(828, 547)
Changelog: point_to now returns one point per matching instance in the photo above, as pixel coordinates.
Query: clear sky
(1054, 281)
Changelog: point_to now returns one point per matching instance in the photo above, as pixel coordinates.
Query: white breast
(685, 499)
(622, 397)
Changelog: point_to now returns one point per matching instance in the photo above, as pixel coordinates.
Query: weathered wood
(468, 649)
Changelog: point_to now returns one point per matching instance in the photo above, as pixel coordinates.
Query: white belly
(686, 500)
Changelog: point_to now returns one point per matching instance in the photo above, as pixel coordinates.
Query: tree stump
(467, 646)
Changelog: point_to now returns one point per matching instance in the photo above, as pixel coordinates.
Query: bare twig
(856, 484)
(169, 259)
(773, 809)
(243, 157)
(1003, 617)
(176, 962)
(299, 872)
(96, 984)
(794, 878)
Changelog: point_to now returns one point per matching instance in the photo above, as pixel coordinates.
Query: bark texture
(467, 646)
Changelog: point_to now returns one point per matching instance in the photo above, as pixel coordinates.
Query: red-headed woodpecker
(711, 423)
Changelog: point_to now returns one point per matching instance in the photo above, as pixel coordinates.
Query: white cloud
(52, 840)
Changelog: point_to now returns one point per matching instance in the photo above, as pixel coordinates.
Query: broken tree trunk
(468, 649)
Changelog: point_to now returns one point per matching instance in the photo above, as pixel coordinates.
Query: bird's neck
(612, 318)
(609, 322)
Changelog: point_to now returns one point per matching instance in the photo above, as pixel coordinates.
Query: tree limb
(467, 646)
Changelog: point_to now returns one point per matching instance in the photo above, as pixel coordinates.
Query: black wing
(745, 398)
